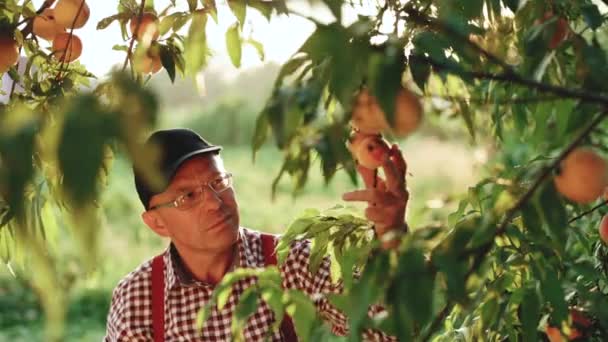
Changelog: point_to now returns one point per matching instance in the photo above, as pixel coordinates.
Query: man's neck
(209, 266)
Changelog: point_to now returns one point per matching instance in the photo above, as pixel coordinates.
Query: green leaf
(166, 23)
(118, 47)
(385, 74)
(262, 129)
(554, 214)
(86, 131)
(300, 306)
(336, 8)
(105, 22)
(247, 304)
(290, 67)
(195, 50)
(413, 284)
(530, 314)
(17, 146)
(168, 61)
(239, 9)
(513, 5)
(264, 7)
(420, 71)
(467, 115)
(554, 293)
(192, 5)
(181, 18)
(273, 297)
(258, 47)
(489, 311)
(592, 16)
(233, 43)
(318, 251)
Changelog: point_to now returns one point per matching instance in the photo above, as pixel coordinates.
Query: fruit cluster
(147, 33)
(52, 25)
(368, 120)
(56, 24)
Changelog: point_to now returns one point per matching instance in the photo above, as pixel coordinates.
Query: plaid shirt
(130, 316)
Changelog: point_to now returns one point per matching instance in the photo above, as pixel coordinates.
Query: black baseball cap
(176, 146)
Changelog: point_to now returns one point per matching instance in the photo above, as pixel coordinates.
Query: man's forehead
(203, 166)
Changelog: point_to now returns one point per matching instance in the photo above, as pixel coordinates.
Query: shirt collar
(178, 274)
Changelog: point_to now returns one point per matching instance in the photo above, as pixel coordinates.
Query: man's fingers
(397, 157)
(368, 195)
(368, 176)
(394, 169)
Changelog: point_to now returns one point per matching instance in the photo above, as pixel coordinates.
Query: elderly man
(198, 212)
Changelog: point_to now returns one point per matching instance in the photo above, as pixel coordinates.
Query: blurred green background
(441, 164)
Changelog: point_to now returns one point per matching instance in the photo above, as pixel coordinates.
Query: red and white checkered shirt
(130, 316)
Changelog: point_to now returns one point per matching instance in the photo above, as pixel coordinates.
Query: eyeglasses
(193, 197)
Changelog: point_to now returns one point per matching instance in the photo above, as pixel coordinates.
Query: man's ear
(155, 222)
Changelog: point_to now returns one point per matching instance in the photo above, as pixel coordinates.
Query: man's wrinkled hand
(387, 199)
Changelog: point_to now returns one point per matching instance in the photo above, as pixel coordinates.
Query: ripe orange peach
(45, 26)
(68, 10)
(67, 48)
(9, 52)
(408, 113)
(583, 176)
(369, 118)
(553, 334)
(577, 330)
(149, 63)
(370, 151)
(149, 26)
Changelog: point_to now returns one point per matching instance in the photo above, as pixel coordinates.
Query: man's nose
(211, 200)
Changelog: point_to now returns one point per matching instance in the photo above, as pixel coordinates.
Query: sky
(281, 37)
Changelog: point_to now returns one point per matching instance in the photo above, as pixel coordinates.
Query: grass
(436, 168)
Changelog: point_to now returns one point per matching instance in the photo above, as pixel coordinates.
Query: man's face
(212, 224)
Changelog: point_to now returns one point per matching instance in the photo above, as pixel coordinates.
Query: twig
(513, 78)
(438, 320)
(140, 16)
(69, 45)
(10, 96)
(478, 100)
(588, 212)
(45, 5)
(423, 19)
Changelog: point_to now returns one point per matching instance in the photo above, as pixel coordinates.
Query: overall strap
(269, 243)
(158, 298)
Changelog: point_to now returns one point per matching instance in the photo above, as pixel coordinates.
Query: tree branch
(513, 78)
(576, 218)
(438, 320)
(140, 16)
(532, 99)
(437, 25)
